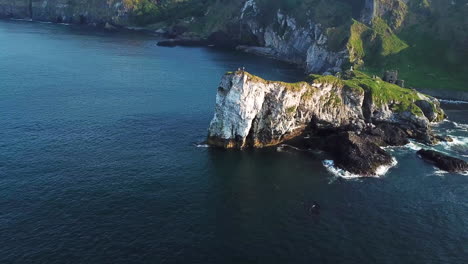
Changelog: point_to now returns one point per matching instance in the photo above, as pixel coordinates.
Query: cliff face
(290, 41)
(15, 8)
(252, 112)
(79, 12)
(316, 34)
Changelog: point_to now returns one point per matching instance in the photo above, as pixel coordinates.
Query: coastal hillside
(425, 40)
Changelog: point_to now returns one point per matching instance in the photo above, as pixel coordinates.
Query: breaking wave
(21, 19)
(284, 147)
(453, 101)
(202, 145)
(381, 171)
(461, 126)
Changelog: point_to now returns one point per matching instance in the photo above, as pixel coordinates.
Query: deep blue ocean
(100, 162)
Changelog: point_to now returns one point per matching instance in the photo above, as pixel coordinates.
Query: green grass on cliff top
(426, 64)
(422, 61)
(400, 99)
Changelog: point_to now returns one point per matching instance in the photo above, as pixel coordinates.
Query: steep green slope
(427, 45)
(425, 40)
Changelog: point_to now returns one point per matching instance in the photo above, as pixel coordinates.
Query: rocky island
(351, 117)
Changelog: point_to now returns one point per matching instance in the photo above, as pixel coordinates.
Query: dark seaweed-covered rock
(222, 40)
(443, 162)
(182, 42)
(357, 154)
(388, 134)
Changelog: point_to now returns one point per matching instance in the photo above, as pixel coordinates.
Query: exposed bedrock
(253, 112)
(357, 154)
(444, 162)
(288, 40)
(353, 116)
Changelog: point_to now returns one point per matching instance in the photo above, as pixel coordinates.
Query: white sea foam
(284, 147)
(441, 122)
(453, 101)
(414, 146)
(458, 141)
(458, 145)
(461, 126)
(439, 172)
(330, 166)
(21, 19)
(381, 171)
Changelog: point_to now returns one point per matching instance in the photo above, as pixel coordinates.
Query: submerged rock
(443, 162)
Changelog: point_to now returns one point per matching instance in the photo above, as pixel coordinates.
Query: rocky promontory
(350, 116)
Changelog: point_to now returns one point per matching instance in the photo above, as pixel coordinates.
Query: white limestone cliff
(253, 112)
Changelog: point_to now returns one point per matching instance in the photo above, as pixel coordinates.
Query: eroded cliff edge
(350, 117)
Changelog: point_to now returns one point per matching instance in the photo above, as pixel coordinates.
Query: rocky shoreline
(352, 118)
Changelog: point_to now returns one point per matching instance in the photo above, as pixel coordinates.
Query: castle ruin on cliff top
(392, 77)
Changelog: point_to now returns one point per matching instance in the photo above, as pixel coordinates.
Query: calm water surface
(99, 164)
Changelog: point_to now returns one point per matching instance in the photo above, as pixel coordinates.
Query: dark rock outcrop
(359, 151)
(429, 110)
(322, 112)
(357, 154)
(253, 112)
(218, 39)
(388, 134)
(182, 42)
(443, 162)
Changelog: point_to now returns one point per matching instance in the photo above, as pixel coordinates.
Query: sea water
(101, 162)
